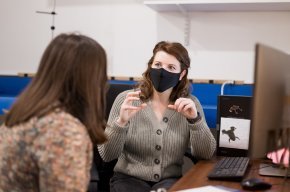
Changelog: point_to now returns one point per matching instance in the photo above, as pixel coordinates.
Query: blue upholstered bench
(207, 93)
(5, 103)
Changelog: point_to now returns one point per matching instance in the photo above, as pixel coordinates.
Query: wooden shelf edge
(124, 78)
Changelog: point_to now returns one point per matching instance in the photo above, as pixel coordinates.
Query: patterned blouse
(52, 153)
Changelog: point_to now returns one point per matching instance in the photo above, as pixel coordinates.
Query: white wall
(221, 43)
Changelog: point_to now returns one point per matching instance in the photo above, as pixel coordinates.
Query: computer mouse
(255, 184)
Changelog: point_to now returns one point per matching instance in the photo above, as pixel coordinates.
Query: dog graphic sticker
(231, 133)
(236, 109)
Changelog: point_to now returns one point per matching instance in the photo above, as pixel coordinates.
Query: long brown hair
(182, 89)
(73, 73)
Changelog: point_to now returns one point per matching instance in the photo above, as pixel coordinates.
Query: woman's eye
(171, 68)
(157, 64)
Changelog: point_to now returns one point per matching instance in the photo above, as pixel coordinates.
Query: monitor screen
(272, 68)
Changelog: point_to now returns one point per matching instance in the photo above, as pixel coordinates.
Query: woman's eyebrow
(171, 64)
(156, 61)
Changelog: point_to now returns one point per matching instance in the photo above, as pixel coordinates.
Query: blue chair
(101, 171)
(5, 103)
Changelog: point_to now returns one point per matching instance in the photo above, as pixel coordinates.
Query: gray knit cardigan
(153, 150)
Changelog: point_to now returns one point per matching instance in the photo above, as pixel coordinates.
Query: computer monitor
(272, 69)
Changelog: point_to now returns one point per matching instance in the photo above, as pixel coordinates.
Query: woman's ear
(182, 74)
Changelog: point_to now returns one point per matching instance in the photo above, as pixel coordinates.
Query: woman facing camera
(47, 136)
(149, 130)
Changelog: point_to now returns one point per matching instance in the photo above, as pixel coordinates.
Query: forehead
(163, 57)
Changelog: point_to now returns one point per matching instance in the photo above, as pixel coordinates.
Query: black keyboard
(230, 168)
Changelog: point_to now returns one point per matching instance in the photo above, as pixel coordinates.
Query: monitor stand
(273, 170)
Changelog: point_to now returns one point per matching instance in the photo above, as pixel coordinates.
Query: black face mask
(162, 79)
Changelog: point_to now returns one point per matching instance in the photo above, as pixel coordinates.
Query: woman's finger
(182, 104)
(129, 99)
(133, 94)
(172, 106)
(188, 106)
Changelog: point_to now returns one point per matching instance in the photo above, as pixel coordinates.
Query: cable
(53, 19)
(224, 84)
(52, 13)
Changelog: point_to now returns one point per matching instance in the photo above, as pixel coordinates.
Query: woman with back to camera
(149, 130)
(46, 140)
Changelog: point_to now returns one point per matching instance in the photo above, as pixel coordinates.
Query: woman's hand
(186, 107)
(127, 110)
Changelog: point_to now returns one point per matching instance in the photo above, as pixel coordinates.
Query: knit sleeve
(116, 134)
(202, 142)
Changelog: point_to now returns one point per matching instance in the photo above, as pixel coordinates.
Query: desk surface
(197, 177)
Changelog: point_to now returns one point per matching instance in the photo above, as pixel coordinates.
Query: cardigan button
(158, 147)
(159, 132)
(165, 119)
(156, 176)
(156, 161)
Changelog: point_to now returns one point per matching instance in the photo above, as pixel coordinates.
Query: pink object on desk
(281, 156)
